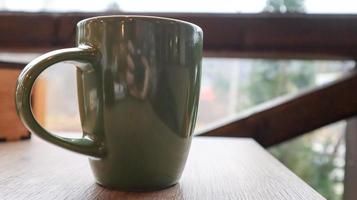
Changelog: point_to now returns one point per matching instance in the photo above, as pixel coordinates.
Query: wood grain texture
(289, 117)
(217, 168)
(11, 127)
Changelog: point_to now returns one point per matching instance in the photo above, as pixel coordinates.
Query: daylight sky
(217, 6)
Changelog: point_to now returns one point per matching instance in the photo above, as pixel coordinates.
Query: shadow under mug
(138, 81)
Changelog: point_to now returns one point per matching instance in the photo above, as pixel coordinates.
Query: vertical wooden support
(350, 191)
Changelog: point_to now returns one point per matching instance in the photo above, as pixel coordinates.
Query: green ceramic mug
(138, 82)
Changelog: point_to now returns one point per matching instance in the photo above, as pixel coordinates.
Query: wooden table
(217, 169)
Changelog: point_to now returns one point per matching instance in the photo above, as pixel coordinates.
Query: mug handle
(24, 86)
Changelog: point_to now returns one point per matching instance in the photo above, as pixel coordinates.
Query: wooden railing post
(350, 182)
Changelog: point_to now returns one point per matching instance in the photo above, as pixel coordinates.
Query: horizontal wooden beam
(243, 35)
(11, 65)
(288, 117)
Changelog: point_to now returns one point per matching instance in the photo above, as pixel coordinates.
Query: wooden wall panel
(11, 127)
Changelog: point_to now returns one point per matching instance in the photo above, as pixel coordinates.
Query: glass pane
(318, 158)
(231, 85)
(206, 6)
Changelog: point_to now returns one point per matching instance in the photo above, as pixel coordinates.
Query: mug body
(141, 98)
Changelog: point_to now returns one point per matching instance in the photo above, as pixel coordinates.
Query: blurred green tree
(272, 78)
(284, 6)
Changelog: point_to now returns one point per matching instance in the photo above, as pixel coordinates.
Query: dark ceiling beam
(232, 35)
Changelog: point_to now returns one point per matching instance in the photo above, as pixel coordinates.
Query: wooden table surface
(217, 168)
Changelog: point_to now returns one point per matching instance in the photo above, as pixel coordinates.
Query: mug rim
(147, 17)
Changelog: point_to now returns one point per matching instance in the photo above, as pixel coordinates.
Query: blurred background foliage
(315, 165)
